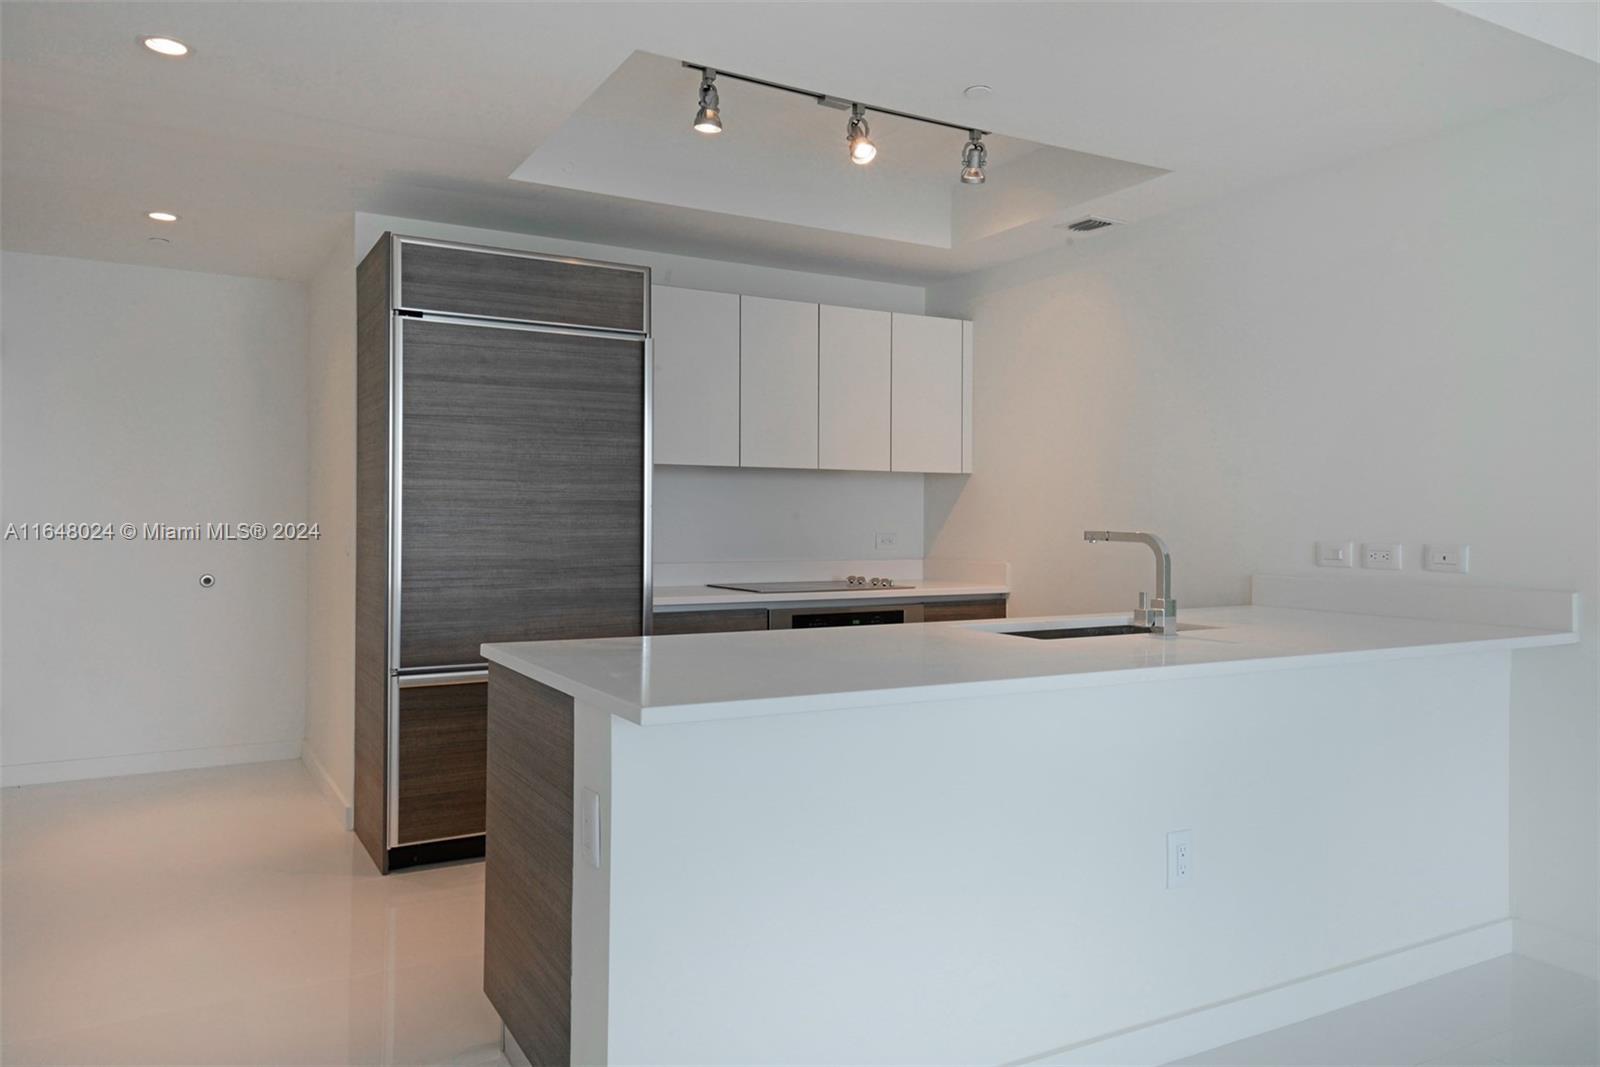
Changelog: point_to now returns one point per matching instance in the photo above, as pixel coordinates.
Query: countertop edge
(756, 707)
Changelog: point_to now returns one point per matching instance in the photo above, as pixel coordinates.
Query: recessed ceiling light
(161, 216)
(977, 92)
(166, 46)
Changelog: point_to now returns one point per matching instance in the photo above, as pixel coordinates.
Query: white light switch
(590, 828)
(1451, 559)
(1336, 553)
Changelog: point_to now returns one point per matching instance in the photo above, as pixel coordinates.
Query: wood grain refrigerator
(502, 494)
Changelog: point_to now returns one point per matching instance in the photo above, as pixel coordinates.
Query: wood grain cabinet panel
(527, 892)
(522, 508)
(442, 753)
(371, 708)
(709, 622)
(963, 610)
(694, 339)
(504, 285)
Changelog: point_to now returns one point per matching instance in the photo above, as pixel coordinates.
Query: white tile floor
(224, 917)
(1507, 1011)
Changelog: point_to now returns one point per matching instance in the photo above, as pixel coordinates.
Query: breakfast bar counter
(951, 843)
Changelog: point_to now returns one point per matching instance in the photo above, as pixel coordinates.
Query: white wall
(691, 272)
(331, 481)
(1401, 348)
(136, 394)
(706, 514)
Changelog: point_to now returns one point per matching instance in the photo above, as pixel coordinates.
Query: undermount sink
(1079, 631)
(1119, 630)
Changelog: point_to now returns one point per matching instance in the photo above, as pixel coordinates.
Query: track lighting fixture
(862, 150)
(709, 118)
(974, 157)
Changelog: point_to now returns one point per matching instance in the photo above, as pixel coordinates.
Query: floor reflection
(223, 916)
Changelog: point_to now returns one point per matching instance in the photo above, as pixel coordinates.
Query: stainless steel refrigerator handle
(413, 681)
(456, 318)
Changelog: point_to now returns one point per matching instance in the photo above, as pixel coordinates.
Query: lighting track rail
(830, 101)
(708, 119)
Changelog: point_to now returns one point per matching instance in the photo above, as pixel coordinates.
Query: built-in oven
(808, 618)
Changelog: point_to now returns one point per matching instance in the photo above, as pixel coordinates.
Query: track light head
(858, 136)
(709, 118)
(974, 157)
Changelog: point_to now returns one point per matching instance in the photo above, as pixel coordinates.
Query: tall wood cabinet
(502, 490)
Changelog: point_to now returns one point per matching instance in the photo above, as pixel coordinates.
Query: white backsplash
(719, 515)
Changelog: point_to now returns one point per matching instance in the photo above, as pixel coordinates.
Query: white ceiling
(291, 115)
(783, 158)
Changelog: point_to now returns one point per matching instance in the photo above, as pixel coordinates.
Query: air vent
(1088, 223)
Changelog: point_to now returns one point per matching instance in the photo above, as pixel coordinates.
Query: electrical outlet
(885, 541)
(1180, 858)
(1378, 556)
(1451, 559)
(1335, 553)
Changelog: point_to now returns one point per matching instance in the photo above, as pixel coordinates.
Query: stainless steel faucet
(1158, 611)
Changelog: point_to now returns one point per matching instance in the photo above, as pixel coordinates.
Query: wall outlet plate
(1450, 559)
(1180, 858)
(886, 540)
(1336, 553)
(1380, 556)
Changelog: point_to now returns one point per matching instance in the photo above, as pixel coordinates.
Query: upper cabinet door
(853, 389)
(966, 397)
(520, 286)
(695, 339)
(928, 394)
(778, 383)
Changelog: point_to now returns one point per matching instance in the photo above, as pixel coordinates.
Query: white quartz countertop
(704, 596)
(698, 677)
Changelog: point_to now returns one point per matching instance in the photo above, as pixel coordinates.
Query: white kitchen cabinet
(966, 398)
(695, 345)
(853, 362)
(928, 394)
(777, 383)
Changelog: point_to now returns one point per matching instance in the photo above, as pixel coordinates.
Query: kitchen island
(949, 843)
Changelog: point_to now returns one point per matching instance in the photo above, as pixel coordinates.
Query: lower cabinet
(963, 610)
(441, 760)
(709, 622)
